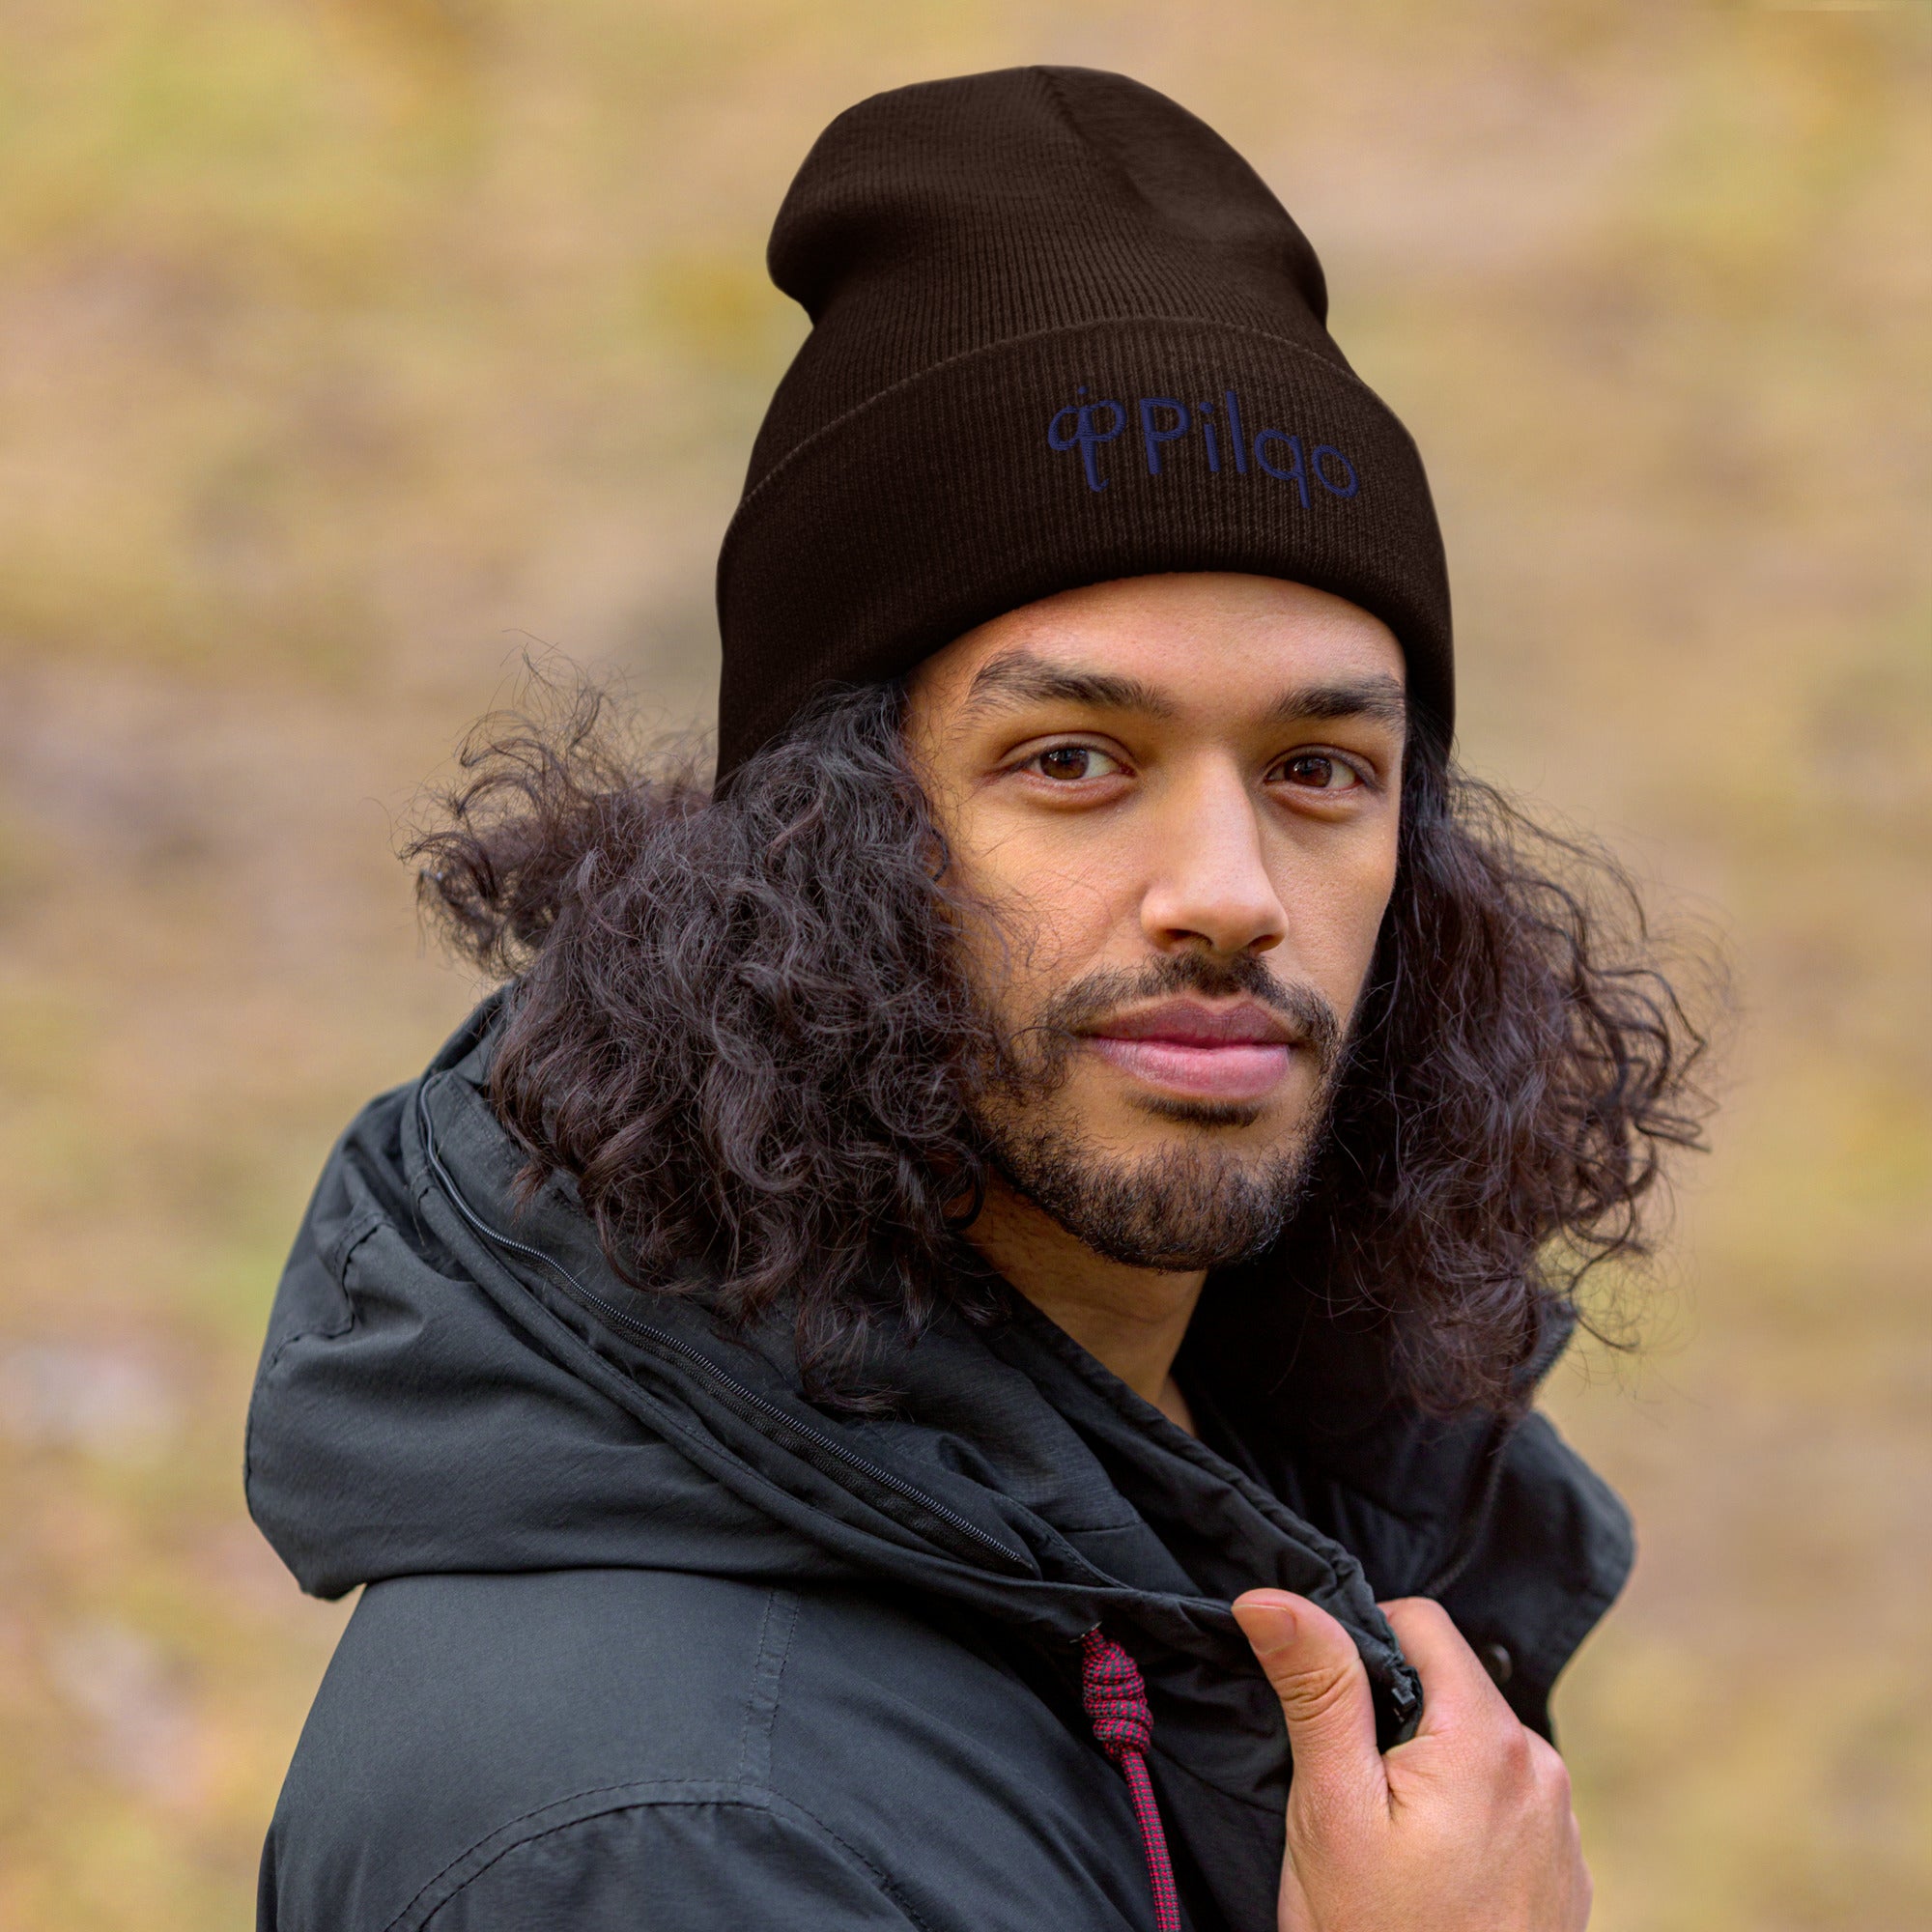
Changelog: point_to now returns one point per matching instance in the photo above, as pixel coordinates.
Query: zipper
(663, 1338)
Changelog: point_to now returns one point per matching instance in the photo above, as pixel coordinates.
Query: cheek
(1049, 916)
(1373, 912)
(1335, 919)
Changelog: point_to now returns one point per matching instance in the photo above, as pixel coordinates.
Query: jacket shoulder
(1555, 1550)
(466, 1712)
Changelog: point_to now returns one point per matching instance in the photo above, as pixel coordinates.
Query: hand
(1465, 1828)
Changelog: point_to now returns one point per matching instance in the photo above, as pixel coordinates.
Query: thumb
(1312, 1663)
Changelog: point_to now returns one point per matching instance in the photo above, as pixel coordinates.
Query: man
(879, 1381)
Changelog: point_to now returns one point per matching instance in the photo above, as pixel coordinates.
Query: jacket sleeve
(737, 1864)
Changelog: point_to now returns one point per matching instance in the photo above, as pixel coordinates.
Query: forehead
(1217, 640)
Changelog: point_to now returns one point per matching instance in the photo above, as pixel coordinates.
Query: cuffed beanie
(1061, 333)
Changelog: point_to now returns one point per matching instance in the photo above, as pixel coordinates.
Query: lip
(1221, 1053)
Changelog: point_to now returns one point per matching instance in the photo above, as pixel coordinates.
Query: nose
(1210, 882)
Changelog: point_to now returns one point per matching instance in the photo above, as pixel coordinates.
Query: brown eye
(1070, 763)
(1315, 771)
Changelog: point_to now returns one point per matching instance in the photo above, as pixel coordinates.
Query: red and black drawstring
(1115, 1696)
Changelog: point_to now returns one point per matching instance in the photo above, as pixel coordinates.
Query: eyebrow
(1017, 677)
(1381, 698)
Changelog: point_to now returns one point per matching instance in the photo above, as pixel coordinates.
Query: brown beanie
(1061, 333)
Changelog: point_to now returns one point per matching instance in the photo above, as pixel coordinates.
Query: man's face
(1179, 797)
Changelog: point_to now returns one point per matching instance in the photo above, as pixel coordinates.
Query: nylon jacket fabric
(646, 1639)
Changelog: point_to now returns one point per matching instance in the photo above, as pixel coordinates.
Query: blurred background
(350, 347)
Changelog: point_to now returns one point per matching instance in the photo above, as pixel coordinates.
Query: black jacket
(647, 1640)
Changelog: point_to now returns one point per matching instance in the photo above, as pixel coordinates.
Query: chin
(1146, 1119)
(1233, 1135)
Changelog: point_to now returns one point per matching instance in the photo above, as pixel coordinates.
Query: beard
(1200, 1203)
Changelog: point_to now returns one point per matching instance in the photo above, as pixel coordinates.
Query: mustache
(1077, 1008)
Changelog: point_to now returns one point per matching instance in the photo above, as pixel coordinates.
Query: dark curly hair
(739, 1025)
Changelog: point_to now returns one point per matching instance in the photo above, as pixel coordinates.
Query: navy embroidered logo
(1165, 420)
(1086, 435)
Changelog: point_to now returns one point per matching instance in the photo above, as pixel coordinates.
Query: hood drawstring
(1115, 1696)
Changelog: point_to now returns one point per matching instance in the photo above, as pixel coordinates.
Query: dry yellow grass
(348, 346)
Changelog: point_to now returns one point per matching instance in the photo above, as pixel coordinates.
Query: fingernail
(1274, 1610)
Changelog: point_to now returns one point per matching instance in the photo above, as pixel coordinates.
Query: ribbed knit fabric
(1061, 333)
(1116, 1707)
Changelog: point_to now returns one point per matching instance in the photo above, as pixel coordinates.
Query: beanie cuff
(1067, 457)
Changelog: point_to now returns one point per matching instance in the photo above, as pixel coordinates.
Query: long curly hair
(739, 1025)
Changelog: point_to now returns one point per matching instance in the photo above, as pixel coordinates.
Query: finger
(1456, 1688)
(1312, 1663)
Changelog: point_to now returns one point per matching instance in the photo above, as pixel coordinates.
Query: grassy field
(351, 348)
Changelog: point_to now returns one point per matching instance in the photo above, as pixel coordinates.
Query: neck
(1129, 1319)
